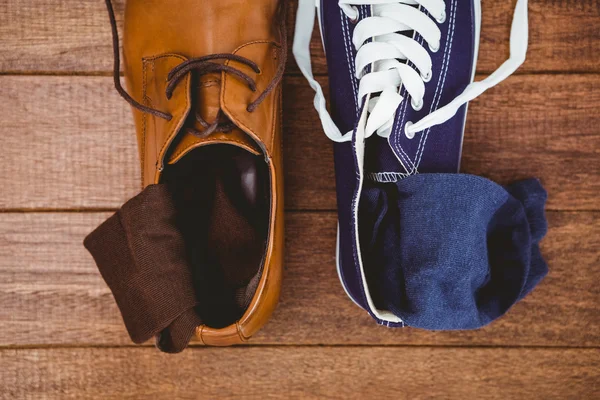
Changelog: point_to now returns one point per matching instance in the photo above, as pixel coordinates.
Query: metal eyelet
(442, 18)
(434, 49)
(409, 135)
(418, 106)
(427, 78)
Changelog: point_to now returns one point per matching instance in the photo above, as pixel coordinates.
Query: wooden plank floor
(70, 159)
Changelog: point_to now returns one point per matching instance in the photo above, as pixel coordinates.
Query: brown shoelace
(203, 65)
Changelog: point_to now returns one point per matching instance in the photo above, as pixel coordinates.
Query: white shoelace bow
(380, 45)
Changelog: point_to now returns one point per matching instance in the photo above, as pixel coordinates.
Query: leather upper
(158, 36)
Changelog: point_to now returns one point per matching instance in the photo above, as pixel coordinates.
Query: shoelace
(202, 65)
(381, 45)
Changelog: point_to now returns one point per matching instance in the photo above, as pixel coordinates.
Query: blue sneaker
(400, 75)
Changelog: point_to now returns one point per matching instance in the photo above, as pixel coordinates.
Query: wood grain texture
(292, 373)
(51, 292)
(62, 36)
(71, 143)
(68, 144)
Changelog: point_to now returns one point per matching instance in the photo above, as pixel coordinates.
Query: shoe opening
(451, 251)
(221, 193)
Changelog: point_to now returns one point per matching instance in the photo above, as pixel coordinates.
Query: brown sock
(141, 255)
(178, 334)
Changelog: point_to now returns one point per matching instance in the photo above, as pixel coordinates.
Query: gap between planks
(528, 126)
(53, 294)
(196, 346)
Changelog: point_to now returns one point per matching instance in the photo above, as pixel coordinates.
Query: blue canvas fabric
(451, 251)
(337, 36)
(438, 249)
(438, 149)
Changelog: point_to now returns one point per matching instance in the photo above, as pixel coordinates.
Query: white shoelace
(381, 46)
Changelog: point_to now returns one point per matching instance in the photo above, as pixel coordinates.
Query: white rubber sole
(337, 265)
(477, 10)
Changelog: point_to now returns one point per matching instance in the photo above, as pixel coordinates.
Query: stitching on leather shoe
(170, 136)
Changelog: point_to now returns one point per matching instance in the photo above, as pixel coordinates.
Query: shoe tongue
(206, 105)
(207, 100)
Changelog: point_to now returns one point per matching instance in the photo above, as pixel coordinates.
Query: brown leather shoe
(203, 78)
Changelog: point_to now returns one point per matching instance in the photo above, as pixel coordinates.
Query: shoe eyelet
(434, 49)
(357, 13)
(442, 18)
(427, 78)
(418, 106)
(409, 135)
